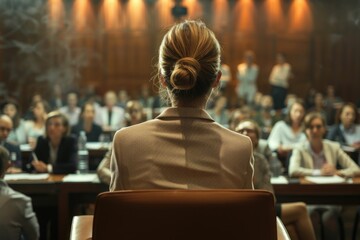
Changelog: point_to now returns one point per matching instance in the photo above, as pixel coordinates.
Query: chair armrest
(282, 234)
(81, 227)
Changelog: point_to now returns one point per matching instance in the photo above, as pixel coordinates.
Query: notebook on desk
(326, 180)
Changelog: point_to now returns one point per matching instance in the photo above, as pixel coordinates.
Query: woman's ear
(217, 80)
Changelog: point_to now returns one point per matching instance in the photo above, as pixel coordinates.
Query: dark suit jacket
(335, 134)
(66, 159)
(14, 148)
(92, 136)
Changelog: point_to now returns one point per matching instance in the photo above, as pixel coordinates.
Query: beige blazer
(301, 161)
(183, 148)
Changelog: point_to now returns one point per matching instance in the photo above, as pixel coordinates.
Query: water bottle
(13, 159)
(83, 154)
(275, 165)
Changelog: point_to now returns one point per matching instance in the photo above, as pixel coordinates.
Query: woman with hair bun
(183, 148)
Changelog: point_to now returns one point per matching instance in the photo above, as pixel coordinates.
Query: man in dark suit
(6, 126)
(17, 218)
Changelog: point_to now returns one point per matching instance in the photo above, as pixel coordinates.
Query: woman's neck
(316, 146)
(39, 122)
(296, 127)
(194, 103)
(55, 142)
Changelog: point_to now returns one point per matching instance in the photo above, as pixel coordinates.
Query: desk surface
(54, 192)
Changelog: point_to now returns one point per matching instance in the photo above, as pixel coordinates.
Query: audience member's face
(10, 110)
(5, 128)
(248, 129)
(72, 100)
(316, 130)
(318, 100)
(267, 102)
(297, 113)
(89, 112)
(55, 128)
(110, 100)
(39, 110)
(347, 116)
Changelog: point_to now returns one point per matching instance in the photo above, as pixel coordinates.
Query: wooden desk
(96, 151)
(345, 193)
(65, 195)
(54, 192)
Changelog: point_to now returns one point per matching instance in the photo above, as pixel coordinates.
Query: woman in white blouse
(36, 127)
(279, 81)
(286, 134)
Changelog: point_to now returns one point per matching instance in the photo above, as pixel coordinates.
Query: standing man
(17, 218)
(247, 73)
(6, 126)
(279, 81)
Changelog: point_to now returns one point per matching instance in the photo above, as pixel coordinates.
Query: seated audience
(134, 115)
(87, 124)
(17, 218)
(219, 112)
(238, 115)
(183, 148)
(265, 116)
(111, 117)
(286, 134)
(320, 157)
(332, 104)
(57, 151)
(14, 150)
(319, 105)
(292, 214)
(71, 109)
(123, 98)
(29, 115)
(57, 100)
(18, 133)
(36, 126)
(347, 130)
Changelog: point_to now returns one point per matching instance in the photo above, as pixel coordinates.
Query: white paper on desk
(85, 177)
(25, 147)
(26, 176)
(324, 180)
(97, 145)
(279, 180)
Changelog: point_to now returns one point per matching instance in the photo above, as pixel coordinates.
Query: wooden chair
(181, 214)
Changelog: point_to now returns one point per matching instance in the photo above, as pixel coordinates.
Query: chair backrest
(185, 214)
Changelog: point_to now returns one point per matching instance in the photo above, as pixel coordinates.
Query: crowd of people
(195, 128)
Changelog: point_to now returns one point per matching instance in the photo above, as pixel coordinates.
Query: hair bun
(184, 75)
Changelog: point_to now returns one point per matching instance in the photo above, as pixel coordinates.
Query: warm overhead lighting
(275, 15)
(245, 10)
(164, 14)
(136, 11)
(300, 16)
(111, 11)
(220, 13)
(82, 14)
(56, 13)
(194, 9)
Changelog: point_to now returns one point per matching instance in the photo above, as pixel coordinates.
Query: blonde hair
(189, 59)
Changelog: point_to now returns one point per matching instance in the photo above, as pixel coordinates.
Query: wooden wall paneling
(297, 52)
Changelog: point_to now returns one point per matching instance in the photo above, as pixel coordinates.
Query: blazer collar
(174, 112)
